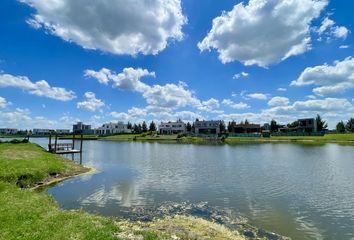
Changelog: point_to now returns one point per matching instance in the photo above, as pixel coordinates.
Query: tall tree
(129, 125)
(247, 122)
(222, 126)
(321, 124)
(229, 127)
(152, 127)
(293, 124)
(340, 127)
(273, 126)
(144, 127)
(136, 129)
(189, 127)
(350, 125)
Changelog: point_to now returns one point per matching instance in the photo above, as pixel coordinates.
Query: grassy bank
(327, 138)
(28, 214)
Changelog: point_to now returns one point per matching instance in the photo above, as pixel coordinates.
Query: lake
(303, 191)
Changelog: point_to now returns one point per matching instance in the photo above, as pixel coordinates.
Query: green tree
(189, 127)
(129, 125)
(152, 127)
(144, 127)
(222, 126)
(136, 128)
(321, 124)
(273, 126)
(340, 127)
(350, 125)
(229, 127)
(293, 124)
(247, 122)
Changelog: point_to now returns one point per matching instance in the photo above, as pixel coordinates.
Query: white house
(112, 128)
(8, 130)
(63, 131)
(172, 127)
(38, 131)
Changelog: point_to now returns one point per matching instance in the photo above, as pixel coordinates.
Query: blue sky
(63, 61)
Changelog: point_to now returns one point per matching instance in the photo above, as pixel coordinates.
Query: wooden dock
(65, 148)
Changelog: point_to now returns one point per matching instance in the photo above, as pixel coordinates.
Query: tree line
(342, 127)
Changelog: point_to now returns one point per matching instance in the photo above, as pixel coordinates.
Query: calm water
(301, 191)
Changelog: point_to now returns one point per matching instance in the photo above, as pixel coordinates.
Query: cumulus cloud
(114, 26)
(329, 28)
(329, 79)
(22, 119)
(3, 102)
(278, 101)
(234, 105)
(281, 89)
(239, 75)
(263, 32)
(91, 103)
(257, 96)
(331, 109)
(170, 95)
(39, 88)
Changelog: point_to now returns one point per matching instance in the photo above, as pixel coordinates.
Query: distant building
(172, 127)
(245, 128)
(81, 128)
(307, 125)
(63, 131)
(207, 127)
(9, 131)
(39, 131)
(112, 128)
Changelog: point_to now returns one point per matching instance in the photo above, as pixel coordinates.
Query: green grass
(32, 215)
(140, 137)
(330, 138)
(27, 164)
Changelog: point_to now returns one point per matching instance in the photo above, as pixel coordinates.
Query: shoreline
(43, 212)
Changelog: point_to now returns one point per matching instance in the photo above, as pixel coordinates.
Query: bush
(180, 135)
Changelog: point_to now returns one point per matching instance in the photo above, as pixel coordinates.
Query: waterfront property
(307, 125)
(167, 128)
(80, 128)
(62, 131)
(39, 131)
(112, 128)
(245, 128)
(207, 127)
(8, 131)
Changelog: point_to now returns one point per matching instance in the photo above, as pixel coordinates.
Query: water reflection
(303, 191)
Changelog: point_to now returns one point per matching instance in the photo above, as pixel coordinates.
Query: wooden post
(50, 142)
(55, 143)
(81, 148)
(73, 140)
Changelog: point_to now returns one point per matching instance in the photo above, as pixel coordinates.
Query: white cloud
(21, 118)
(169, 95)
(278, 101)
(340, 32)
(234, 105)
(257, 96)
(208, 106)
(327, 104)
(114, 26)
(329, 28)
(344, 46)
(3, 102)
(91, 103)
(263, 32)
(281, 89)
(326, 24)
(39, 88)
(331, 109)
(336, 78)
(239, 75)
(187, 116)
